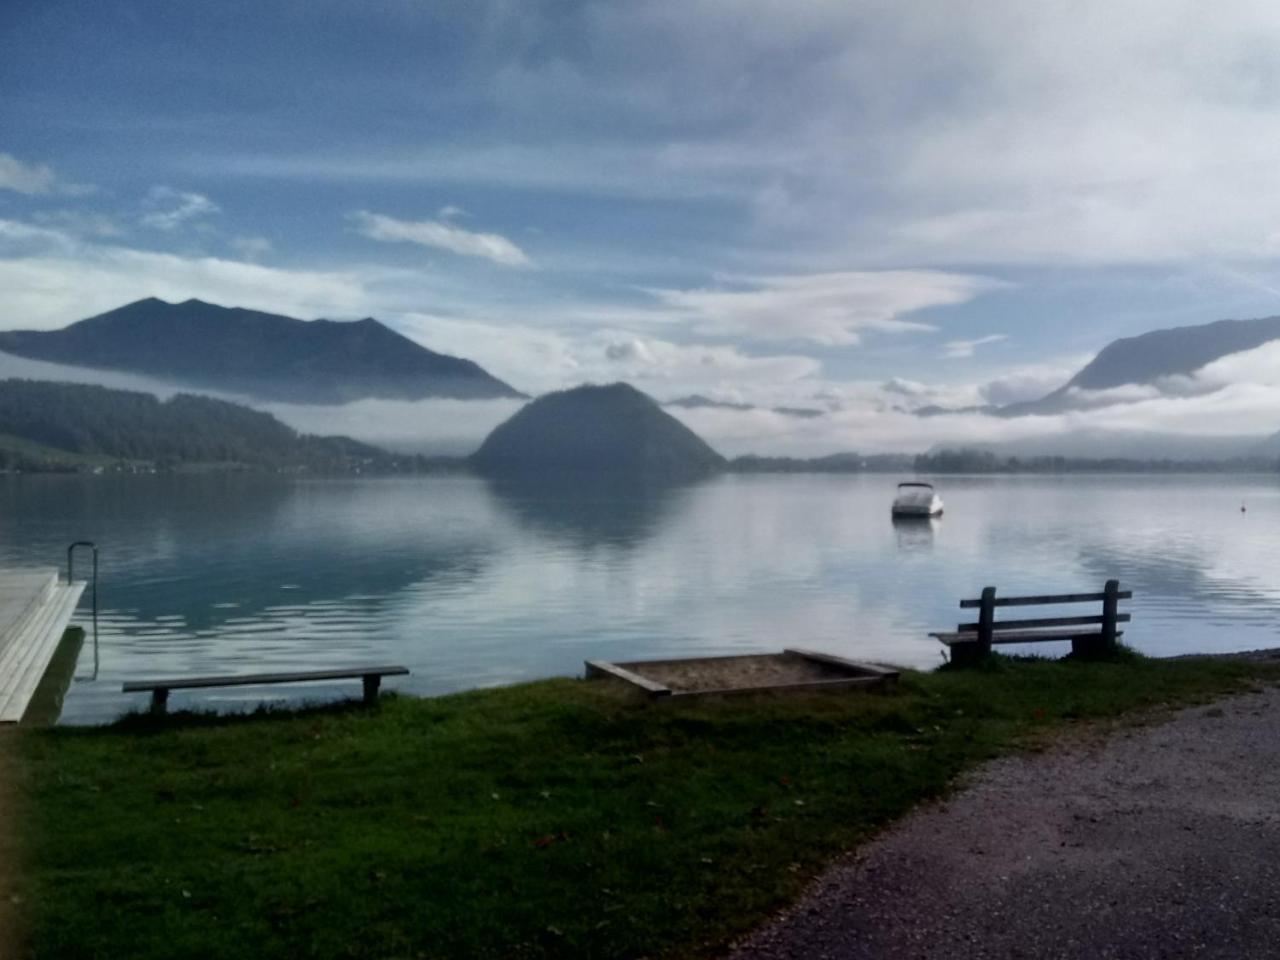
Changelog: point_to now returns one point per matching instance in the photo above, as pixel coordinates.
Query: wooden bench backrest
(986, 604)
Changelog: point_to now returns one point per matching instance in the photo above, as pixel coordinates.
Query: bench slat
(1058, 598)
(255, 679)
(1020, 636)
(1043, 622)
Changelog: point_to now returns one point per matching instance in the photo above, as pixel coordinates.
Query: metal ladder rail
(93, 589)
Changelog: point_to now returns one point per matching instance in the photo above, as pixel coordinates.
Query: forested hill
(612, 429)
(47, 425)
(260, 355)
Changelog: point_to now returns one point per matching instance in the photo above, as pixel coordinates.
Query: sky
(861, 206)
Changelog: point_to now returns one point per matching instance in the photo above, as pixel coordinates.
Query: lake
(472, 583)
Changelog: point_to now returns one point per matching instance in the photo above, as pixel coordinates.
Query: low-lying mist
(1226, 409)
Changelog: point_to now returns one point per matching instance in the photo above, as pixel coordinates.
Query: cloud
(962, 349)
(24, 178)
(441, 236)
(168, 209)
(826, 308)
(653, 363)
(49, 278)
(79, 222)
(18, 238)
(252, 248)
(432, 427)
(538, 360)
(36, 180)
(1259, 365)
(883, 134)
(911, 395)
(1031, 381)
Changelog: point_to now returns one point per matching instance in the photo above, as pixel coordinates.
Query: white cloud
(432, 427)
(537, 360)
(17, 237)
(1087, 132)
(79, 222)
(49, 278)
(887, 133)
(252, 248)
(962, 349)
(1031, 381)
(913, 394)
(168, 209)
(441, 236)
(826, 308)
(660, 364)
(25, 178)
(1259, 365)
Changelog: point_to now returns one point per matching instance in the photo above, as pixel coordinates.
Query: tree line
(93, 422)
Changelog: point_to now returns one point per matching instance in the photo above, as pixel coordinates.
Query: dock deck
(35, 608)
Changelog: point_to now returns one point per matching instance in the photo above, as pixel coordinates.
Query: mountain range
(270, 358)
(258, 355)
(1149, 357)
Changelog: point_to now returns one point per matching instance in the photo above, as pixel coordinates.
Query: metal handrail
(71, 559)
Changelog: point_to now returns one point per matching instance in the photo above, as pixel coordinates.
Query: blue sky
(781, 202)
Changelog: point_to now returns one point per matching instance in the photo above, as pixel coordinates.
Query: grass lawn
(549, 819)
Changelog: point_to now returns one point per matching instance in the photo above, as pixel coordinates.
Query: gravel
(1156, 841)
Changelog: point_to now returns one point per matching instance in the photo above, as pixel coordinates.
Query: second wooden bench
(1089, 635)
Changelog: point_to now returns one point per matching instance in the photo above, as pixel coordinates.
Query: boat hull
(912, 510)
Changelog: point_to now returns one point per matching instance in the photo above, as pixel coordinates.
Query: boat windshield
(915, 483)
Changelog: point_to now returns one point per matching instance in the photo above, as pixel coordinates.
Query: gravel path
(1159, 841)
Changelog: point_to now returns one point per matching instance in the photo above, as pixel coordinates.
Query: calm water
(471, 584)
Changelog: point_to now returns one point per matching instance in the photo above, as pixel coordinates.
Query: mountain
(1146, 358)
(47, 425)
(259, 355)
(612, 429)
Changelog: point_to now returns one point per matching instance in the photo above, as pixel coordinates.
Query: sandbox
(788, 671)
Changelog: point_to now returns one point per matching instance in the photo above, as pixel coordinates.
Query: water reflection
(211, 551)
(914, 533)
(472, 582)
(590, 510)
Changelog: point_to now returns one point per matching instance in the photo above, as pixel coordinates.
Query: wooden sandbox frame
(659, 679)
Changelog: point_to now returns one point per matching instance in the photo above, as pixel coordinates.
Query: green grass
(549, 819)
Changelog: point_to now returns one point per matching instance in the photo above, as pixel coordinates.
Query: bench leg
(966, 654)
(371, 684)
(159, 701)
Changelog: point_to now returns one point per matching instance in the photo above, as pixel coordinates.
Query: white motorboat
(916, 499)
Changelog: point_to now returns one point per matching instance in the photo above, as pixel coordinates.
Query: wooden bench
(1089, 636)
(372, 677)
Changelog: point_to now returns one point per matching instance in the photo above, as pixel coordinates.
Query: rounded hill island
(612, 429)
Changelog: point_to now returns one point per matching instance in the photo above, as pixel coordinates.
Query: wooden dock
(35, 608)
